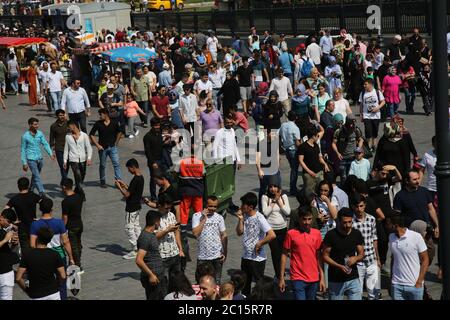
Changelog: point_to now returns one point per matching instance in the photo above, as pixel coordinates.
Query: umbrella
(102, 47)
(128, 54)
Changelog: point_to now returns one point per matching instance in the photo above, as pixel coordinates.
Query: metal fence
(398, 16)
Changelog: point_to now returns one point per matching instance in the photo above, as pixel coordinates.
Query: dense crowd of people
(296, 101)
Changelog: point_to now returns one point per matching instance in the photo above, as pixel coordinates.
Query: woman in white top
(182, 288)
(341, 105)
(77, 154)
(276, 209)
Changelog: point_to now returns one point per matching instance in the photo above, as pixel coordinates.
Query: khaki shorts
(246, 93)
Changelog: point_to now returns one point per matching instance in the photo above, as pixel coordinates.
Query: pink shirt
(131, 109)
(241, 121)
(391, 88)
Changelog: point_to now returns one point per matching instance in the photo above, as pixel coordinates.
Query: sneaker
(136, 133)
(103, 185)
(130, 136)
(130, 255)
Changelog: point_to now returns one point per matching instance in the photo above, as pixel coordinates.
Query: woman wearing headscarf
(272, 112)
(276, 209)
(391, 91)
(392, 149)
(32, 73)
(333, 74)
(230, 92)
(406, 135)
(301, 105)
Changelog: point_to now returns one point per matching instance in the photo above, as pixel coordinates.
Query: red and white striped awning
(110, 46)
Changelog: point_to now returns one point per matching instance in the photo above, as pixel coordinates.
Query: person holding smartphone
(133, 195)
(8, 240)
(209, 228)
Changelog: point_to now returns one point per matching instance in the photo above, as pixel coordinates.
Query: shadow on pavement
(115, 249)
(121, 275)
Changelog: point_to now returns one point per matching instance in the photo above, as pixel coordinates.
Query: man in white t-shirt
(209, 228)
(55, 83)
(428, 163)
(409, 260)
(43, 78)
(314, 52)
(282, 85)
(256, 232)
(203, 84)
(371, 101)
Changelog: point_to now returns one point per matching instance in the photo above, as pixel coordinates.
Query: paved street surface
(107, 275)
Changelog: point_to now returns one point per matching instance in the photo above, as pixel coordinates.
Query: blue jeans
(410, 97)
(344, 168)
(63, 285)
(56, 100)
(304, 290)
(392, 109)
(60, 159)
(352, 289)
(13, 82)
(35, 168)
(113, 154)
(400, 292)
(294, 164)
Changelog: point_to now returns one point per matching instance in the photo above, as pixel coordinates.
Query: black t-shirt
(72, 206)
(379, 193)
(42, 265)
(25, 206)
(371, 207)
(342, 246)
(7, 257)
(171, 192)
(311, 156)
(245, 76)
(136, 188)
(106, 133)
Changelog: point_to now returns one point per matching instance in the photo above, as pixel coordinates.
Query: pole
(442, 169)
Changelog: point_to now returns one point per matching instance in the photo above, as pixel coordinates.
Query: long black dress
(230, 93)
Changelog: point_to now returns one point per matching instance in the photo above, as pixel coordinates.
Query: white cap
(166, 66)
(398, 37)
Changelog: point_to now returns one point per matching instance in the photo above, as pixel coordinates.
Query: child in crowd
(360, 167)
(131, 111)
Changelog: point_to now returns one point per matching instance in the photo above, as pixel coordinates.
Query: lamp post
(442, 169)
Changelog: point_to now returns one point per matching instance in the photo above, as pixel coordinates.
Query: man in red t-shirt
(239, 119)
(160, 104)
(304, 246)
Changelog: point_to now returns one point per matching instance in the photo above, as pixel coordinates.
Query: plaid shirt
(368, 230)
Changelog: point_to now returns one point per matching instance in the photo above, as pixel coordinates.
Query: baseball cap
(302, 46)
(110, 86)
(359, 150)
(398, 37)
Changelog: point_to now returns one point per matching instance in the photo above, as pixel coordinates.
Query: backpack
(306, 68)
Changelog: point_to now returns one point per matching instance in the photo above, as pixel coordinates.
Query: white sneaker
(130, 255)
(130, 136)
(136, 133)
